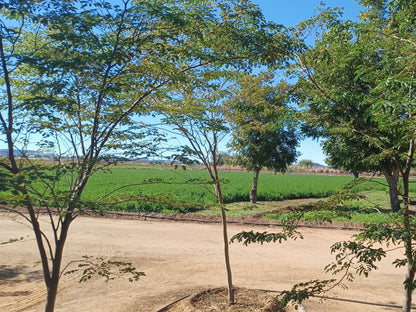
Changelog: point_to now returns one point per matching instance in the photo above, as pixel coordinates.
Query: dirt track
(178, 258)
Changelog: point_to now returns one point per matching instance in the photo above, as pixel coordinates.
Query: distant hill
(318, 166)
(29, 153)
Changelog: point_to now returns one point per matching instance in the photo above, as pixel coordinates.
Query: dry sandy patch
(178, 258)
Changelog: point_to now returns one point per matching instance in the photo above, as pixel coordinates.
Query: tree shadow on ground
(18, 274)
(10, 276)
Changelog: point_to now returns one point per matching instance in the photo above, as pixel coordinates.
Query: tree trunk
(253, 192)
(52, 290)
(409, 252)
(218, 192)
(227, 257)
(408, 291)
(392, 180)
(53, 282)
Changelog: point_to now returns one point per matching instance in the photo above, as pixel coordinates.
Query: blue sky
(290, 13)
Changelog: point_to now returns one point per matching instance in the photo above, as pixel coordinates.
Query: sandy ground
(178, 258)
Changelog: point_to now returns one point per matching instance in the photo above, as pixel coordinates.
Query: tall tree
(264, 130)
(74, 76)
(339, 95)
(358, 82)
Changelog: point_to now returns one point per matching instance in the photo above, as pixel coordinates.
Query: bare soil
(181, 258)
(213, 300)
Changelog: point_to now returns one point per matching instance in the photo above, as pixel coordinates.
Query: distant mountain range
(318, 166)
(37, 154)
(29, 153)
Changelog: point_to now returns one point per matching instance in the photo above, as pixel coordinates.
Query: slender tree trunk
(51, 281)
(227, 257)
(52, 291)
(253, 192)
(52, 286)
(409, 252)
(392, 180)
(218, 192)
(410, 277)
(410, 265)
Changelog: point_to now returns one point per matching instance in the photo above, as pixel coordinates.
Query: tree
(335, 86)
(76, 75)
(358, 83)
(196, 109)
(306, 163)
(196, 112)
(264, 131)
(226, 159)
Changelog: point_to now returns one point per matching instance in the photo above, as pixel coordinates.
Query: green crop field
(193, 186)
(141, 188)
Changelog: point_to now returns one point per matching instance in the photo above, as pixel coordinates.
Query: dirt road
(178, 258)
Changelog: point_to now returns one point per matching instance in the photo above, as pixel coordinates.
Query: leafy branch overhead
(256, 237)
(354, 256)
(303, 291)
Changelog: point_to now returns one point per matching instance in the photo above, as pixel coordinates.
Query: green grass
(363, 216)
(373, 208)
(236, 188)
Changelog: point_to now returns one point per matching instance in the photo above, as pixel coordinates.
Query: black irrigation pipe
(173, 302)
(230, 221)
(195, 220)
(388, 305)
(364, 302)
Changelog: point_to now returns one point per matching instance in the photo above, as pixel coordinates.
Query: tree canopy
(357, 86)
(264, 127)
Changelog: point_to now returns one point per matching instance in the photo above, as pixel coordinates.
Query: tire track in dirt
(21, 293)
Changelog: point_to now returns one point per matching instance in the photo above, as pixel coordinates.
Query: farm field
(193, 186)
(146, 189)
(162, 189)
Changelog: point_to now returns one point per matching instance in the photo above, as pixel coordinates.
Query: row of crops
(158, 189)
(140, 188)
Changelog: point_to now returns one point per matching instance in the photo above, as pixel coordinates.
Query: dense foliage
(357, 84)
(264, 127)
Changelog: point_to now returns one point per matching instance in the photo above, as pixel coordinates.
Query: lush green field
(141, 188)
(193, 186)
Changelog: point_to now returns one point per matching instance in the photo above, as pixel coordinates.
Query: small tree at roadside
(197, 114)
